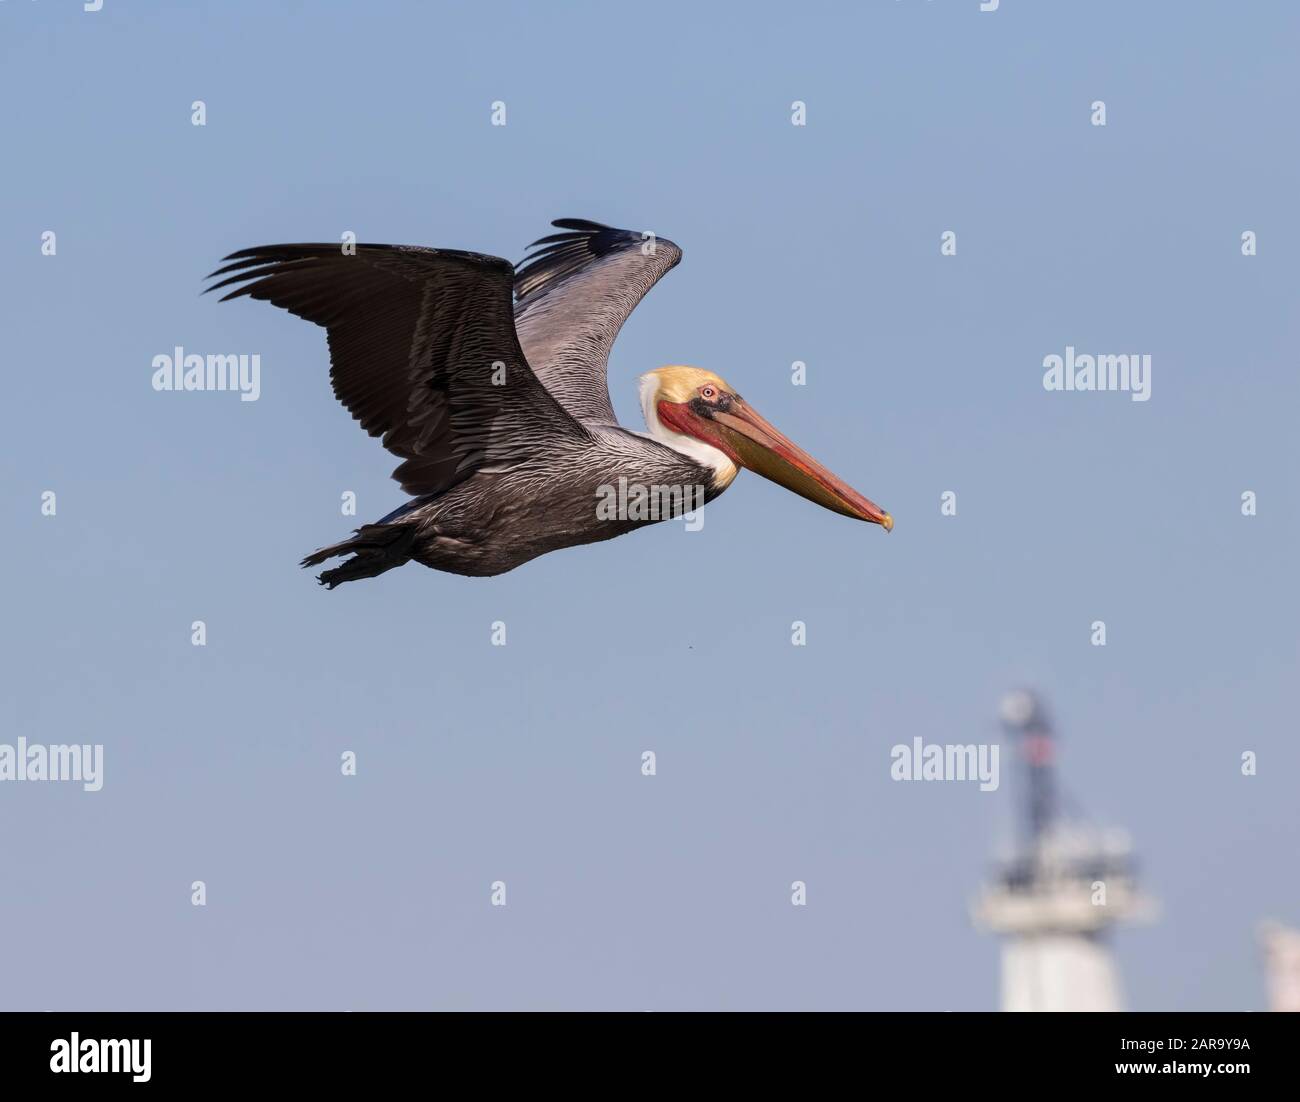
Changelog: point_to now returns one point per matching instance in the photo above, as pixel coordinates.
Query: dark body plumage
(489, 384)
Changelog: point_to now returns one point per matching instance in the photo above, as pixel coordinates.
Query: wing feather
(423, 351)
(572, 296)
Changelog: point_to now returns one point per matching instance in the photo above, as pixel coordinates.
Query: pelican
(488, 382)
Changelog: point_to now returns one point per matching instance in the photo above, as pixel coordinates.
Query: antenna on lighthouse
(1054, 897)
(1024, 718)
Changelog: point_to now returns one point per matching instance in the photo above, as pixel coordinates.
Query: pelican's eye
(708, 393)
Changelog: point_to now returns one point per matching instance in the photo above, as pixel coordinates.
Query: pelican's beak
(757, 444)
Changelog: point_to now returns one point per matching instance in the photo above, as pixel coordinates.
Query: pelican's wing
(571, 298)
(423, 351)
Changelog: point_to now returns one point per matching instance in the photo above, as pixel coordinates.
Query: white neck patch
(724, 470)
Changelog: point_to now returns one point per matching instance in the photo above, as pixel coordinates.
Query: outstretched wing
(571, 298)
(423, 351)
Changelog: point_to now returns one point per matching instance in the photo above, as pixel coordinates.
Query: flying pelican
(488, 382)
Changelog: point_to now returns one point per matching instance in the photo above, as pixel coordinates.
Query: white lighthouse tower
(1281, 946)
(1055, 895)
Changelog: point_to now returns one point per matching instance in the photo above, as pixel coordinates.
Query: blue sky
(522, 763)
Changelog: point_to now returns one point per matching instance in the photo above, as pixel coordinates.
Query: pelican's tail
(374, 549)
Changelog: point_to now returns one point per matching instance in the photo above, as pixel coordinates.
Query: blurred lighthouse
(1054, 896)
(1281, 946)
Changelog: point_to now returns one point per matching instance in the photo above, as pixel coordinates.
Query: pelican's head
(686, 407)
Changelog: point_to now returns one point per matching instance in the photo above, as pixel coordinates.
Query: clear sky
(478, 763)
